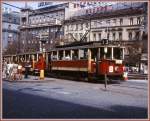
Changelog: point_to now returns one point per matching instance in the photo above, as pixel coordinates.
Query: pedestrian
(27, 68)
(14, 71)
(4, 69)
(9, 70)
(20, 71)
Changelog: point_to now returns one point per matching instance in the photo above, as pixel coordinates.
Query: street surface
(58, 98)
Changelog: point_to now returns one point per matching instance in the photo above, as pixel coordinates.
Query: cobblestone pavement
(127, 94)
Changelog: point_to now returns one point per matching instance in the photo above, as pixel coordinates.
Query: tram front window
(108, 54)
(118, 53)
(103, 54)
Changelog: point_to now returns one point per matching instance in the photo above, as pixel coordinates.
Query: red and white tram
(92, 59)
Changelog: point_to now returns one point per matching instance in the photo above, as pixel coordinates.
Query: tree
(135, 51)
(12, 48)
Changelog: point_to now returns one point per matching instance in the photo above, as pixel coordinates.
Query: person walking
(4, 71)
(9, 69)
(27, 68)
(20, 71)
(14, 71)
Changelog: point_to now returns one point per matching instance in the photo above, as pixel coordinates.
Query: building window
(114, 21)
(94, 37)
(40, 20)
(76, 35)
(100, 22)
(99, 36)
(137, 35)
(71, 27)
(87, 25)
(67, 27)
(108, 36)
(29, 21)
(120, 36)
(82, 26)
(131, 21)
(130, 35)
(138, 20)
(80, 35)
(76, 26)
(44, 18)
(114, 36)
(9, 26)
(108, 22)
(121, 21)
(95, 23)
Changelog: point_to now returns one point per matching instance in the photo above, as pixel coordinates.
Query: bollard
(41, 74)
(125, 76)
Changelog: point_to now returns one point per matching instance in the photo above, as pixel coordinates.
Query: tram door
(95, 58)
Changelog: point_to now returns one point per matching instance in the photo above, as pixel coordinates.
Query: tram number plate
(110, 68)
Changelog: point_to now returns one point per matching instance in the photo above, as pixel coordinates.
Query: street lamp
(9, 38)
(43, 40)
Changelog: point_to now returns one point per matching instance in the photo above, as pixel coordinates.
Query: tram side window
(75, 55)
(60, 55)
(54, 56)
(83, 54)
(94, 54)
(67, 55)
(102, 53)
(117, 53)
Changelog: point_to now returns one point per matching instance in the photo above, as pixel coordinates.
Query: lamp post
(43, 40)
(105, 52)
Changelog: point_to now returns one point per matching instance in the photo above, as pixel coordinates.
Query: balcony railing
(40, 24)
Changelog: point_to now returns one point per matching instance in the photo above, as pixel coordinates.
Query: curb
(28, 81)
(139, 81)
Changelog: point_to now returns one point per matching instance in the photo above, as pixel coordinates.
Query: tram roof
(83, 45)
(74, 46)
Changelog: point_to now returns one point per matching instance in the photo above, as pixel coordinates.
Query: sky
(21, 4)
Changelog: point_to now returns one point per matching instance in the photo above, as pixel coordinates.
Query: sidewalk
(46, 79)
(139, 81)
(32, 79)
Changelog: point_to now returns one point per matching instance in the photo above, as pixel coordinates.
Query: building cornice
(107, 14)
